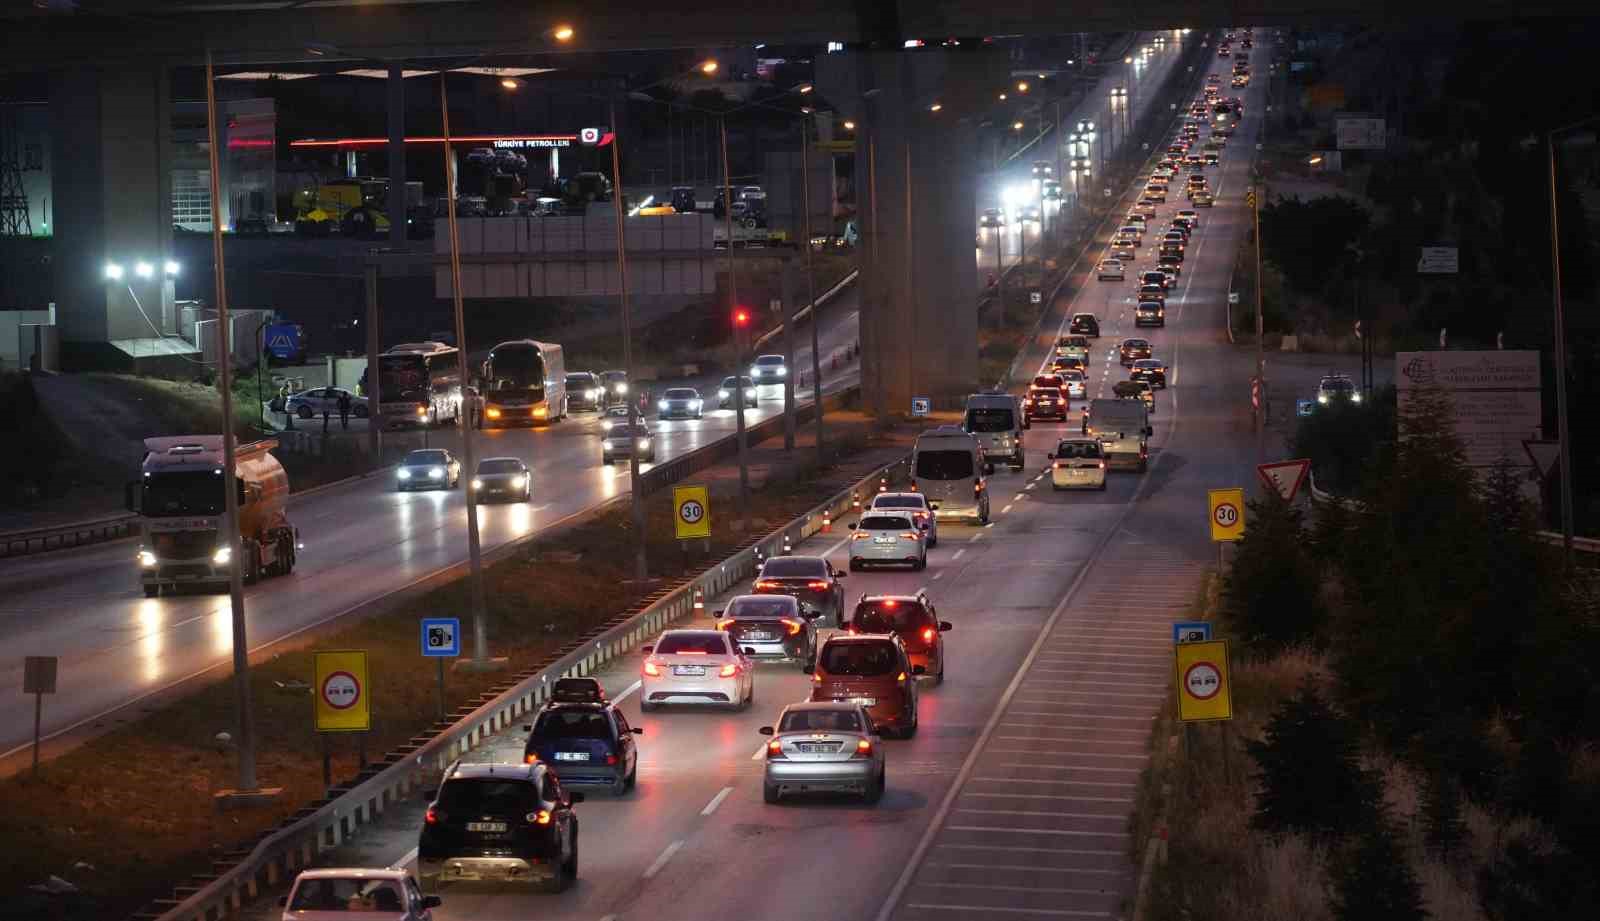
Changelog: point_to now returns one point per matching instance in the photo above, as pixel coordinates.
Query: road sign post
(1201, 673)
(38, 679)
(1227, 518)
(441, 639)
(1191, 631)
(1285, 477)
(342, 701)
(691, 512)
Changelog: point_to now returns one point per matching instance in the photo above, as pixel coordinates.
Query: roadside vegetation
(1416, 714)
(128, 815)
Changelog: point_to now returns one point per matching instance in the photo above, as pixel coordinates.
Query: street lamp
(113, 272)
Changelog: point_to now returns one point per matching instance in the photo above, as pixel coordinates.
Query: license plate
(486, 826)
(572, 756)
(688, 669)
(813, 748)
(758, 636)
(883, 540)
(863, 701)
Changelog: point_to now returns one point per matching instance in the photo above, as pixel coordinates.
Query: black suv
(810, 580)
(584, 738)
(509, 823)
(772, 627)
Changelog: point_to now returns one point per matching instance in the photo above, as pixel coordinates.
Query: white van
(1123, 428)
(997, 421)
(948, 466)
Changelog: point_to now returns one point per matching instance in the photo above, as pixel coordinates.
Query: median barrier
(38, 540)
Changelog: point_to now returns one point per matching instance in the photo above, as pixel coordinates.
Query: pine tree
(1371, 879)
(1271, 595)
(1309, 775)
(1443, 830)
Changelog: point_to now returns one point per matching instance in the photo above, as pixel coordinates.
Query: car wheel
(911, 730)
(632, 780)
(303, 412)
(151, 591)
(875, 791)
(933, 541)
(854, 566)
(646, 706)
(769, 792)
(939, 678)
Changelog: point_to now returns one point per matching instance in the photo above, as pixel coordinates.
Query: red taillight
(863, 748)
(816, 678)
(902, 678)
(927, 634)
(860, 535)
(774, 749)
(765, 584)
(977, 486)
(817, 586)
(542, 817)
(910, 535)
(651, 669)
(530, 758)
(793, 625)
(433, 816)
(611, 759)
(1101, 465)
(725, 624)
(729, 670)
(1058, 465)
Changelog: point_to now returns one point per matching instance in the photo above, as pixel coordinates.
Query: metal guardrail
(281, 854)
(78, 534)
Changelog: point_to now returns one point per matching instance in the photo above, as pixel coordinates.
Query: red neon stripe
(467, 139)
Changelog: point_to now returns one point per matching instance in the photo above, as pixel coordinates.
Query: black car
(810, 580)
(683, 199)
(509, 823)
(587, 742)
(1150, 370)
(1149, 313)
(583, 392)
(1175, 261)
(772, 627)
(615, 385)
(1085, 324)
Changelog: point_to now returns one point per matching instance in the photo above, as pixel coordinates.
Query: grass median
(129, 814)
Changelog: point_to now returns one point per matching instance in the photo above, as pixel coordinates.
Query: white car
(696, 667)
(1110, 270)
(823, 746)
(769, 369)
(308, 404)
(353, 894)
(1078, 463)
(888, 538)
(915, 503)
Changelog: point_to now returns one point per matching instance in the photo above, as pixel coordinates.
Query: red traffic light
(741, 317)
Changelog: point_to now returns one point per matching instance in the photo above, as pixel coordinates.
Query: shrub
(1271, 593)
(1310, 778)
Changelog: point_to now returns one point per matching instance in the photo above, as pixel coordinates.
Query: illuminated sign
(502, 141)
(528, 143)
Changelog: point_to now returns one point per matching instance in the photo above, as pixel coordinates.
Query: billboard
(1494, 394)
(1360, 133)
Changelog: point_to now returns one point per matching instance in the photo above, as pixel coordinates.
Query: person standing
(344, 409)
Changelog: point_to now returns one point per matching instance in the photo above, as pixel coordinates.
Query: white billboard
(1495, 396)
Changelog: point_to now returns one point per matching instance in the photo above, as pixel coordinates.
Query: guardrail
(38, 540)
(242, 876)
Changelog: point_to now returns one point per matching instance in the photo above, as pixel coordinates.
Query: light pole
(736, 312)
(811, 285)
(641, 568)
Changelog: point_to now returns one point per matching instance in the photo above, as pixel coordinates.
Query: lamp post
(641, 567)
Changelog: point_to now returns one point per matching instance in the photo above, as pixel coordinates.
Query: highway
(1012, 799)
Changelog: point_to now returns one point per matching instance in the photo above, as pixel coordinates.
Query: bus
(419, 383)
(524, 382)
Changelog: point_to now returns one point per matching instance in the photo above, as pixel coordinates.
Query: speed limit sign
(692, 508)
(1227, 514)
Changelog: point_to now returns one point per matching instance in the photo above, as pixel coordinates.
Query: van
(996, 419)
(948, 466)
(1123, 428)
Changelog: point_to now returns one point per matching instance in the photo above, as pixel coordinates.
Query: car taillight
(910, 535)
(927, 634)
(860, 535)
(530, 758)
(793, 625)
(725, 624)
(1058, 465)
(816, 677)
(651, 669)
(863, 748)
(729, 670)
(542, 817)
(817, 586)
(1101, 465)
(774, 749)
(611, 759)
(433, 816)
(902, 678)
(766, 584)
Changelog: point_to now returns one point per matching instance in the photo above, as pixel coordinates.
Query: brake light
(542, 817)
(889, 603)
(860, 535)
(817, 586)
(902, 678)
(863, 748)
(1101, 465)
(910, 535)
(433, 816)
(611, 759)
(977, 486)
(764, 584)
(774, 749)
(651, 669)
(725, 624)
(729, 670)
(530, 758)
(816, 677)
(793, 625)
(1058, 465)
(927, 634)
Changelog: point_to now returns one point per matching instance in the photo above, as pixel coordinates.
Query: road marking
(1094, 852)
(1129, 784)
(1040, 831)
(717, 800)
(760, 753)
(1076, 799)
(1029, 486)
(1017, 497)
(957, 555)
(1005, 509)
(626, 691)
(938, 575)
(407, 859)
(988, 526)
(661, 861)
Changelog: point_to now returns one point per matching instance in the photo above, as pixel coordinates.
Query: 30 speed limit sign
(692, 505)
(1227, 514)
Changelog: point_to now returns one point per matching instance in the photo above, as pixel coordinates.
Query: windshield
(767, 606)
(402, 377)
(891, 617)
(989, 420)
(572, 724)
(488, 795)
(1050, 382)
(864, 659)
(515, 368)
(710, 644)
(770, 360)
(790, 567)
(898, 502)
(1072, 374)
(680, 393)
(728, 383)
(347, 894)
(500, 466)
(1338, 386)
(1069, 450)
(820, 721)
(944, 465)
(188, 492)
(884, 523)
(579, 381)
(623, 429)
(425, 458)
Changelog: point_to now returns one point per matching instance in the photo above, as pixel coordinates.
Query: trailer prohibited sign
(342, 702)
(1201, 672)
(1227, 514)
(692, 508)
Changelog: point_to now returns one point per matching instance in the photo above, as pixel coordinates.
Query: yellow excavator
(351, 207)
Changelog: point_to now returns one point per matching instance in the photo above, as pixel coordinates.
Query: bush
(1271, 594)
(1310, 778)
(1372, 880)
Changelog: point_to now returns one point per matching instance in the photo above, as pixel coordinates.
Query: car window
(427, 457)
(883, 523)
(572, 724)
(347, 894)
(680, 393)
(792, 567)
(500, 466)
(703, 643)
(891, 616)
(944, 465)
(820, 721)
(860, 659)
(774, 606)
(989, 420)
(916, 502)
(487, 794)
(622, 722)
(1070, 450)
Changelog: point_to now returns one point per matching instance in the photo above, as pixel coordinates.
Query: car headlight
(697, 402)
(783, 372)
(620, 388)
(606, 444)
(404, 474)
(517, 482)
(435, 473)
(755, 370)
(644, 442)
(1355, 398)
(661, 405)
(477, 483)
(1322, 398)
(723, 394)
(751, 393)
(147, 559)
(492, 413)
(222, 556)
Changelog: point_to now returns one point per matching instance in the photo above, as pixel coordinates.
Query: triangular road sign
(1284, 477)
(1544, 454)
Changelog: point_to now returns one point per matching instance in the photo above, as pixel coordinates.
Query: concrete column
(112, 192)
(398, 209)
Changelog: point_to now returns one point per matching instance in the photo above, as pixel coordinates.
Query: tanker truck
(179, 499)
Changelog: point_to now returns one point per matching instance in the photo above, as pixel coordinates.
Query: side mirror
(646, 649)
(765, 730)
(638, 731)
(527, 727)
(574, 798)
(431, 901)
(838, 574)
(851, 526)
(1050, 456)
(918, 670)
(130, 496)
(716, 613)
(945, 626)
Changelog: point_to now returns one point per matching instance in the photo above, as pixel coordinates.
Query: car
(627, 440)
(1202, 199)
(680, 403)
(584, 393)
(1119, 92)
(1174, 260)
(771, 627)
(511, 823)
(502, 478)
(1043, 169)
(1152, 371)
(1109, 270)
(1072, 345)
(1146, 206)
(1169, 249)
(823, 746)
(615, 385)
(873, 671)
(308, 404)
(1152, 294)
(611, 416)
(810, 580)
(1153, 195)
(1085, 324)
(913, 619)
(695, 667)
(1076, 381)
(1159, 179)
(992, 218)
(1078, 463)
(1223, 131)
(1134, 349)
(1123, 252)
(725, 392)
(1174, 238)
(358, 894)
(1194, 162)
(769, 369)
(1189, 218)
(1137, 219)
(888, 538)
(1211, 158)
(428, 468)
(1031, 214)
(1337, 388)
(588, 742)
(1062, 365)
(914, 502)
(1153, 277)
(1136, 390)
(1150, 313)
(1130, 233)
(1048, 398)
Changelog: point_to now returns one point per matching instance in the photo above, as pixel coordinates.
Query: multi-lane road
(1012, 799)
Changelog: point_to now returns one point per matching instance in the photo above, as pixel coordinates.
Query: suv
(1085, 324)
(1337, 388)
(588, 740)
(874, 671)
(507, 822)
(771, 627)
(1047, 398)
(913, 620)
(584, 392)
(614, 385)
(810, 580)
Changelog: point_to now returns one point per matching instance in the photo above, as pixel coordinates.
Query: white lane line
(661, 861)
(988, 526)
(608, 918)
(1018, 497)
(626, 691)
(760, 753)
(1006, 509)
(407, 859)
(938, 575)
(974, 537)
(957, 555)
(716, 801)
(1029, 486)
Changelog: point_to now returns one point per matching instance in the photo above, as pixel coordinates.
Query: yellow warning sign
(691, 507)
(1202, 676)
(1227, 514)
(343, 693)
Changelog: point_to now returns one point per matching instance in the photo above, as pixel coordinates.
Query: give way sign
(1285, 477)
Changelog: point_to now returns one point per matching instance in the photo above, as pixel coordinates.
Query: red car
(1047, 399)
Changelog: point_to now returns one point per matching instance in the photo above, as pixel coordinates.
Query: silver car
(823, 747)
(308, 404)
(502, 478)
(680, 403)
(915, 503)
(888, 538)
(769, 369)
